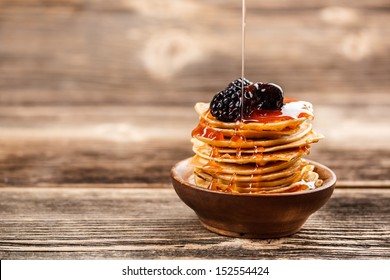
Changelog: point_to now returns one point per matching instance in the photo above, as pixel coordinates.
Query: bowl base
(249, 235)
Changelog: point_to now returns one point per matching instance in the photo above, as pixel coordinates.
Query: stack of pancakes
(255, 156)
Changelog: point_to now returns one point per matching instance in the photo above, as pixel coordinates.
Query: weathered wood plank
(140, 223)
(344, 125)
(59, 163)
(55, 55)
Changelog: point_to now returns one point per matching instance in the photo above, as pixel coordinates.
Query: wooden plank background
(164, 228)
(79, 52)
(96, 105)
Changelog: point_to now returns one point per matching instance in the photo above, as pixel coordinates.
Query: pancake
(259, 158)
(211, 166)
(261, 154)
(252, 178)
(239, 141)
(256, 134)
(253, 147)
(275, 186)
(203, 110)
(294, 179)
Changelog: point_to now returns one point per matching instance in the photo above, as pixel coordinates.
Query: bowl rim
(330, 183)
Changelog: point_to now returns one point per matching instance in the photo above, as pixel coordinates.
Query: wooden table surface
(96, 105)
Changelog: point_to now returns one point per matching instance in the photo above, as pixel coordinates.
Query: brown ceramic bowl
(252, 215)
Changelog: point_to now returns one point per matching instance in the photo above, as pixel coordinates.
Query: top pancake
(282, 125)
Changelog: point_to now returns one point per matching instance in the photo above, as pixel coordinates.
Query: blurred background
(91, 89)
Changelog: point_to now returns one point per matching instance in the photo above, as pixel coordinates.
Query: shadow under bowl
(252, 215)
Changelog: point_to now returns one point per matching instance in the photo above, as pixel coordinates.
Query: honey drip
(238, 138)
(213, 185)
(204, 130)
(232, 183)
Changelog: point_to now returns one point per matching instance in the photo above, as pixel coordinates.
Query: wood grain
(96, 105)
(60, 163)
(145, 223)
(72, 53)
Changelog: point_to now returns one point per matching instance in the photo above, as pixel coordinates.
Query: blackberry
(226, 104)
(250, 99)
(269, 96)
(237, 84)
